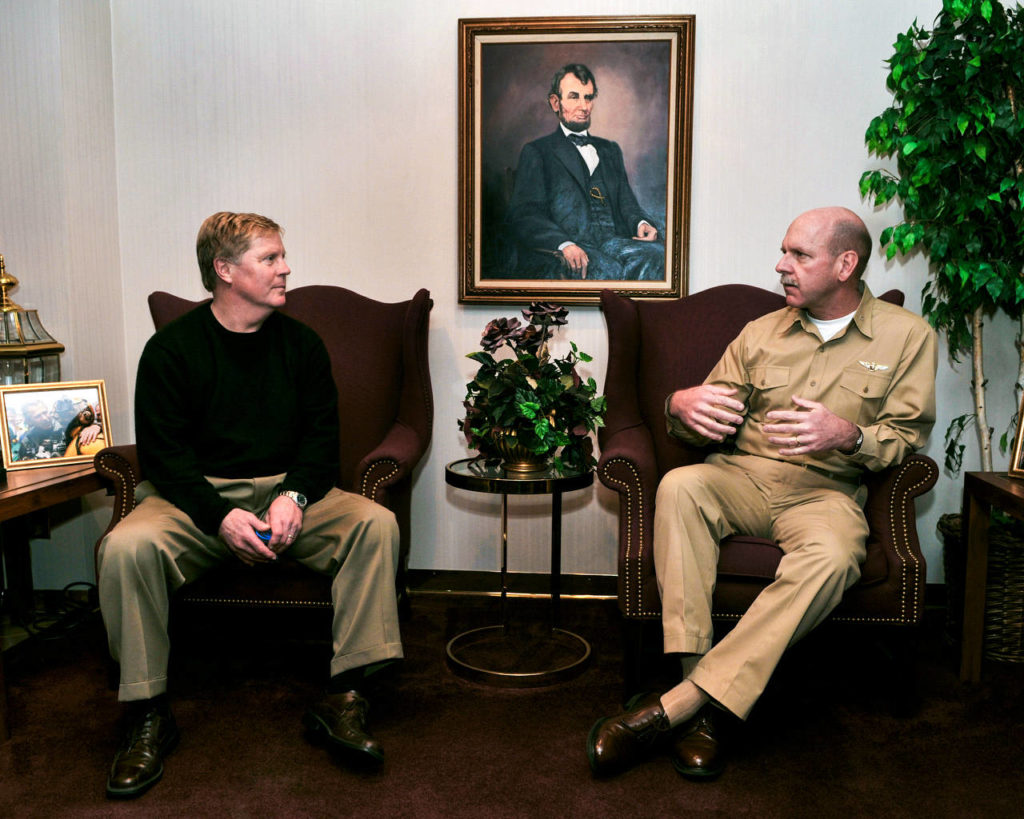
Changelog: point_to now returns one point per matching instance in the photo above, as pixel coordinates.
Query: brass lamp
(28, 354)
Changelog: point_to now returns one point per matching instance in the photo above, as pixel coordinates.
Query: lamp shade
(28, 353)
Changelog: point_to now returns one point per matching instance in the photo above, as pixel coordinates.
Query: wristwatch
(298, 497)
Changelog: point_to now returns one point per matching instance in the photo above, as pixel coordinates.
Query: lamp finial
(6, 283)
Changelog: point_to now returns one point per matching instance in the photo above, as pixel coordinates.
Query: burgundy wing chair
(657, 347)
(378, 357)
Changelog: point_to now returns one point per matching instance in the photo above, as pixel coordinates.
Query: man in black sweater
(237, 427)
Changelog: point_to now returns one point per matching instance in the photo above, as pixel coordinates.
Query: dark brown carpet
(822, 741)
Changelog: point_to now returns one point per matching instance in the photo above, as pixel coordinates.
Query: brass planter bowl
(515, 457)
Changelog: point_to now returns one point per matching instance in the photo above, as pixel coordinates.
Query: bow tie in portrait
(579, 139)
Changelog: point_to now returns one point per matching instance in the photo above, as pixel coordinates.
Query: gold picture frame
(1016, 469)
(54, 424)
(642, 121)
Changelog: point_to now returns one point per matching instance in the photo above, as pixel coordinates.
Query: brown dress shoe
(139, 763)
(340, 719)
(697, 751)
(617, 743)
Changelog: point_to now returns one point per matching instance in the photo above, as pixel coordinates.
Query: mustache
(787, 282)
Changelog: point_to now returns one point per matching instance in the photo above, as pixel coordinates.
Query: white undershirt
(830, 327)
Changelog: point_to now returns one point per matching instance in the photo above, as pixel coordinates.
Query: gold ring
(797, 439)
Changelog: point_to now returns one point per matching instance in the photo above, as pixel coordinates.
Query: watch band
(857, 445)
(296, 497)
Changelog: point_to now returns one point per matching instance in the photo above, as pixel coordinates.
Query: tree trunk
(978, 385)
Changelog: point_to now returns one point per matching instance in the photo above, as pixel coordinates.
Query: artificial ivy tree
(956, 130)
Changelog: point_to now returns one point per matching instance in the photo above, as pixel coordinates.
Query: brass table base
(499, 656)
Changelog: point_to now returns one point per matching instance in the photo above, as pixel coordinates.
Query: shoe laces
(145, 728)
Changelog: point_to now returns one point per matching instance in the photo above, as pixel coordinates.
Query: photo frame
(1016, 468)
(54, 424)
(517, 206)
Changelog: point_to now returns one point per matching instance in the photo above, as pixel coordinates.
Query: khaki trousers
(819, 525)
(157, 549)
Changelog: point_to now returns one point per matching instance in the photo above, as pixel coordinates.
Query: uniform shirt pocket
(768, 390)
(862, 394)
(769, 378)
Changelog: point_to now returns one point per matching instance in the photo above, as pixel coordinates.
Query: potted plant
(528, 407)
(956, 129)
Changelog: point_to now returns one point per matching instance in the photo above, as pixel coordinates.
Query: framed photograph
(574, 157)
(1016, 469)
(56, 424)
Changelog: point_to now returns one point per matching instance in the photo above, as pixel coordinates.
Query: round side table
(495, 655)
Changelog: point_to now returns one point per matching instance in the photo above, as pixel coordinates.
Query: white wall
(126, 123)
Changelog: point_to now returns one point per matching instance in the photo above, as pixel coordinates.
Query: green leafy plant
(956, 130)
(540, 399)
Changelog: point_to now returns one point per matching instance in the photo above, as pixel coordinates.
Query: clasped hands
(713, 412)
(238, 531)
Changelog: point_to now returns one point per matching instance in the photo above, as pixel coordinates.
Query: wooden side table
(492, 654)
(982, 491)
(21, 492)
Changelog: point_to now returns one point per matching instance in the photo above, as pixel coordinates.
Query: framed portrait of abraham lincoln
(574, 157)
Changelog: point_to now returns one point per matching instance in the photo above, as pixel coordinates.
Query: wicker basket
(1004, 587)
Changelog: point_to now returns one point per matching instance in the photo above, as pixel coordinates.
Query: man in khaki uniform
(803, 399)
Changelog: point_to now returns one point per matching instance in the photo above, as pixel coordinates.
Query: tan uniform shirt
(878, 373)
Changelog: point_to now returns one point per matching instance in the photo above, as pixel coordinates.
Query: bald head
(846, 232)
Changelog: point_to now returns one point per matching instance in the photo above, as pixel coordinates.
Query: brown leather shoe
(139, 763)
(617, 743)
(340, 719)
(697, 751)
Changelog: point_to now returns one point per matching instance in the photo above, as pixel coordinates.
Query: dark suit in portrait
(556, 200)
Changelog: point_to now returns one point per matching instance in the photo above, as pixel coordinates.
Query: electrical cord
(68, 616)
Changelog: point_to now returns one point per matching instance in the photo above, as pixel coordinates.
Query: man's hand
(238, 531)
(812, 428)
(285, 519)
(646, 232)
(708, 410)
(577, 259)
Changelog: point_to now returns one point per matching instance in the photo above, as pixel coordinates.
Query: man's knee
(373, 528)
(128, 548)
(832, 562)
(383, 524)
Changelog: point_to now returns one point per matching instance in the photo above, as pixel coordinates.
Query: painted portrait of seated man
(573, 214)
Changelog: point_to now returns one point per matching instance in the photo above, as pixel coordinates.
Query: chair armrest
(889, 509)
(390, 462)
(628, 466)
(119, 465)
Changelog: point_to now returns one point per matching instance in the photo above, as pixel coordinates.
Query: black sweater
(210, 402)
